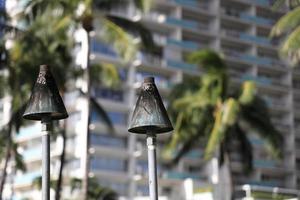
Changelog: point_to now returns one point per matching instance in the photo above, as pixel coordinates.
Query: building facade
(239, 30)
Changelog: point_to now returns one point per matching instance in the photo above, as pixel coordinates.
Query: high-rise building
(2, 4)
(239, 30)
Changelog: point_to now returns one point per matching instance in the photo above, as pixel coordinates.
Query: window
(107, 140)
(107, 93)
(115, 117)
(111, 164)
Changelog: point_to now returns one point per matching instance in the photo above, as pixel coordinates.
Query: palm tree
(288, 27)
(205, 110)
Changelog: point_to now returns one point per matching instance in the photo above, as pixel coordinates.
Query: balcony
(29, 131)
(102, 48)
(266, 164)
(257, 60)
(248, 58)
(247, 37)
(260, 80)
(193, 4)
(256, 39)
(181, 65)
(109, 164)
(27, 178)
(256, 141)
(256, 19)
(108, 93)
(184, 23)
(195, 154)
(107, 141)
(183, 44)
(149, 59)
(265, 183)
(181, 175)
(33, 153)
(115, 117)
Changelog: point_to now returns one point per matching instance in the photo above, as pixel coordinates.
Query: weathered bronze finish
(45, 100)
(149, 114)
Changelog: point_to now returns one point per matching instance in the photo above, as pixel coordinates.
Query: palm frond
(208, 59)
(257, 118)
(138, 29)
(291, 47)
(245, 148)
(248, 92)
(287, 23)
(189, 129)
(122, 42)
(19, 163)
(225, 117)
(104, 74)
(278, 4)
(100, 110)
(108, 5)
(143, 5)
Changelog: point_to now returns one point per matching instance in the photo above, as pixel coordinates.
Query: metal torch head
(45, 100)
(149, 114)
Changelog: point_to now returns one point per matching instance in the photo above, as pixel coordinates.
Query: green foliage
(288, 28)
(95, 190)
(204, 112)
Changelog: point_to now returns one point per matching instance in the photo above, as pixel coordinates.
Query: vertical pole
(46, 159)
(152, 166)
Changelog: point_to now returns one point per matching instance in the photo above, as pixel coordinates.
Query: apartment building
(239, 30)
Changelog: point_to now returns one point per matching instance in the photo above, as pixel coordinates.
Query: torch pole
(152, 165)
(46, 126)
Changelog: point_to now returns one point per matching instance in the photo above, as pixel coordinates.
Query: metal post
(46, 125)
(152, 166)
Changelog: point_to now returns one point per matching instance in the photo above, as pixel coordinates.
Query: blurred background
(226, 70)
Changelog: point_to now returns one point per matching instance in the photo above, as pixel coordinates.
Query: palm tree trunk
(62, 164)
(85, 181)
(226, 177)
(7, 158)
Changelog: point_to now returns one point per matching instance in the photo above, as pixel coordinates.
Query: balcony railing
(108, 93)
(181, 175)
(182, 23)
(29, 131)
(181, 65)
(193, 3)
(108, 141)
(260, 80)
(257, 60)
(115, 117)
(256, 39)
(34, 153)
(266, 163)
(108, 164)
(151, 59)
(256, 19)
(102, 48)
(185, 23)
(248, 37)
(256, 141)
(265, 183)
(195, 154)
(184, 44)
(27, 178)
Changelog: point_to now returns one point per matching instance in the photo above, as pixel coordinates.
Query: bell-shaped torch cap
(150, 115)
(45, 100)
